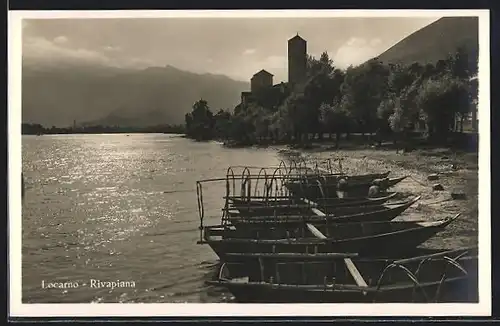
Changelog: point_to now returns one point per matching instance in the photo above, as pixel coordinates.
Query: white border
(18, 309)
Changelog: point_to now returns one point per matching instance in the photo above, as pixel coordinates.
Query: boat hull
(453, 290)
(370, 238)
(305, 208)
(377, 213)
(315, 269)
(242, 204)
(315, 191)
(439, 276)
(370, 246)
(334, 178)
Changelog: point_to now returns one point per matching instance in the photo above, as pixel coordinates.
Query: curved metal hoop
(408, 273)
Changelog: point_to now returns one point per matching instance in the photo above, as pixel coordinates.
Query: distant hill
(57, 94)
(435, 41)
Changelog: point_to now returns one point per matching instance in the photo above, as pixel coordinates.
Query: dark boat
(262, 201)
(316, 190)
(367, 238)
(432, 276)
(256, 263)
(376, 212)
(334, 178)
(307, 208)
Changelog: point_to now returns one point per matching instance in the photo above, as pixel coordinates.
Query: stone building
(261, 80)
(261, 84)
(246, 97)
(297, 60)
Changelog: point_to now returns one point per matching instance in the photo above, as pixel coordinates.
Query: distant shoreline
(104, 133)
(38, 129)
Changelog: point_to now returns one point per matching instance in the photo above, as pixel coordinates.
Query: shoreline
(384, 150)
(461, 141)
(105, 133)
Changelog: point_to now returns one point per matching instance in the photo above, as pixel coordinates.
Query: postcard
(249, 163)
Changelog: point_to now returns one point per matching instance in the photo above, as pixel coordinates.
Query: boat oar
(317, 233)
(314, 209)
(348, 262)
(308, 202)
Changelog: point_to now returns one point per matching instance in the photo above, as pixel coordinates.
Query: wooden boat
(440, 276)
(384, 185)
(335, 177)
(306, 208)
(314, 191)
(376, 212)
(371, 266)
(262, 201)
(367, 238)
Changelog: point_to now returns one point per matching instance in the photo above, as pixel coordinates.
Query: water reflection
(112, 207)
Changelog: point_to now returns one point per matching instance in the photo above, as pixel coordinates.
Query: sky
(235, 47)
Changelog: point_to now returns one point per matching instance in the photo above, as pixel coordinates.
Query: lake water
(122, 208)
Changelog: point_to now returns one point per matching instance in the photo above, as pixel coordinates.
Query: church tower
(297, 59)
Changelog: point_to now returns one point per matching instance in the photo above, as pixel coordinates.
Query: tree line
(389, 101)
(38, 129)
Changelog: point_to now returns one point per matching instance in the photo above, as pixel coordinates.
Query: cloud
(356, 51)
(111, 48)
(249, 51)
(355, 41)
(60, 40)
(41, 49)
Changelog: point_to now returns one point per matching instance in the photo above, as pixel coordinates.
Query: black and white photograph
(221, 161)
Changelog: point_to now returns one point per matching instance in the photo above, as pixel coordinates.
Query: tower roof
(263, 72)
(296, 38)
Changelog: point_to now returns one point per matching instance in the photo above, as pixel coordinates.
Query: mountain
(435, 41)
(56, 94)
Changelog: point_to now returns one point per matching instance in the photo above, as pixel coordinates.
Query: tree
(315, 66)
(407, 100)
(400, 78)
(296, 114)
(440, 100)
(262, 123)
(188, 117)
(384, 111)
(222, 124)
(460, 66)
(282, 124)
(200, 122)
(399, 121)
(334, 119)
(240, 128)
(416, 69)
(322, 86)
(257, 118)
(363, 89)
(326, 117)
(441, 67)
